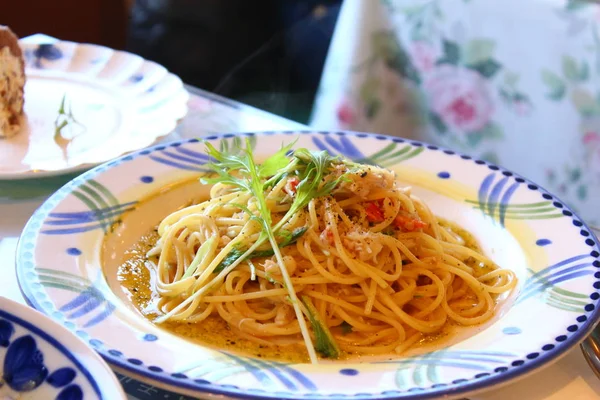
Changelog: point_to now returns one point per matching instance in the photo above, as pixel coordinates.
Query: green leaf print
(555, 84)
(582, 192)
(511, 79)
(551, 176)
(569, 67)
(573, 5)
(451, 53)
(386, 47)
(478, 50)
(505, 95)
(585, 102)
(372, 107)
(584, 72)
(474, 138)
(572, 71)
(575, 174)
(389, 5)
(369, 88)
(491, 157)
(487, 68)
(597, 49)
(437, 123)
(492, 131)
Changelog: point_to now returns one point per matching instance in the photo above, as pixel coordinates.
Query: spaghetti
(319, 249)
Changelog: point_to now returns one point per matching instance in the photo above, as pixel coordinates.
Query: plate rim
(47, 329)
(477, 383)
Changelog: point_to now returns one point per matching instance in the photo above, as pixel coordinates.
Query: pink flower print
(423, 55)
(345, 114)
(460, 97)
(591, 138)
(562, 188)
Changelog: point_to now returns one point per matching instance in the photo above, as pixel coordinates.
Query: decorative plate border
(573, 334)
(47, 330)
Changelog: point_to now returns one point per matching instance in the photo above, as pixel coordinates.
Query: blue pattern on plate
(494, 200)
(62, 377)
(544, 283)
(89, 298)
(262, 369)
(104, 211)
(385, 157)
(47, 52)
(182, 158)
(423, 370)
(24, 369)
(543, 242)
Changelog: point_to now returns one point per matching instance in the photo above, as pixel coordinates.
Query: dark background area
(266, 53)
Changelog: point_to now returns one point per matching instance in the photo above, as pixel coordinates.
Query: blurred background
(266, 53)
(513, 82)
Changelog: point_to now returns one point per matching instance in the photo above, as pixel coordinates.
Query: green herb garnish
(199, 257)
(229, 259)
(235, 167)
(237, 253)
(241, 171)
(346, 328)
(325, 344)
(64, 118)
(286, 242)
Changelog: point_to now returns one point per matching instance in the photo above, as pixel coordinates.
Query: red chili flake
(374, 212)
(408, 223)
(291, 185)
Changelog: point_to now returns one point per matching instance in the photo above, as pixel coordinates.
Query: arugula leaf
(237, 253)
(229, 259)
(200, 254)
(286, 242)
(312, 185)
(324, 342)
(64, 118)
(284, 234)
(246, 210)
(239, 170)
(346, 328)
(276, 162)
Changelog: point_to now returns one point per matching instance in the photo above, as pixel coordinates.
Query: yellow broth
(135, 277)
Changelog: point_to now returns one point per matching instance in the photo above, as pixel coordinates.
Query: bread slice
(12, 83)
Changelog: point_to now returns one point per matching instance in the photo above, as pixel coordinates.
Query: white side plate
(119, 103)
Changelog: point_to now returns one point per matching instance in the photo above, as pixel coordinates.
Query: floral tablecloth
(513, 82)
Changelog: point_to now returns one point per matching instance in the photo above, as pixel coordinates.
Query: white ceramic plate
(519, 225)
(42, 360)
(120, 101)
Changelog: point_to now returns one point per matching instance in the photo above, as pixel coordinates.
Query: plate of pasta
(307, 265)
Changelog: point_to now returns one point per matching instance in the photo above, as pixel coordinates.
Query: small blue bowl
(39, 359)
